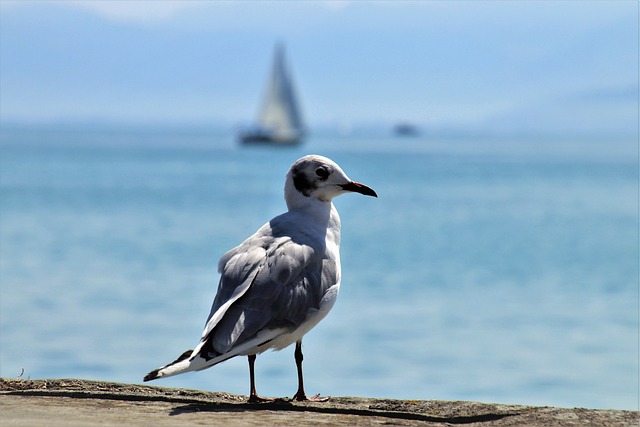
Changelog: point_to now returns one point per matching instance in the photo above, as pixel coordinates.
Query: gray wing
(271, 280)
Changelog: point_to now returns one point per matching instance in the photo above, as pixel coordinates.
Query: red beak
(356, 187)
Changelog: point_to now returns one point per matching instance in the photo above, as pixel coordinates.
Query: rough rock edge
(451, 412)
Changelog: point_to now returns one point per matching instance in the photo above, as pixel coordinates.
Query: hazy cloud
(463, 63)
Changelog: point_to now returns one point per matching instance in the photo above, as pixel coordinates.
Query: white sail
(280, 113)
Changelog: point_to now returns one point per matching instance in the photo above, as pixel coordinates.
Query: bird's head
(320, 178)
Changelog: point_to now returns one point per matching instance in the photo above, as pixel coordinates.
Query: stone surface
(71, 402)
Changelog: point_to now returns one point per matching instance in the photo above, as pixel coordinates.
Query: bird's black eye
(322, 173)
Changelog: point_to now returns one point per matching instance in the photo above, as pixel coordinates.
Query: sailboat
(280, 121)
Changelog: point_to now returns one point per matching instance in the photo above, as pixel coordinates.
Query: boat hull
(265, 138)
(249, 140)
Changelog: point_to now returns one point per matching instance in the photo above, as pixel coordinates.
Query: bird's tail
(178, 366)
(188, 361)
(199, 359)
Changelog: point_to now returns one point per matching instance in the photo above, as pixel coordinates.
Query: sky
(497, 66)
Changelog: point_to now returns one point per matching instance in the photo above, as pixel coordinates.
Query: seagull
(280, 282)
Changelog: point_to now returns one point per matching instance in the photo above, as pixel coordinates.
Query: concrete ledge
(71, 402)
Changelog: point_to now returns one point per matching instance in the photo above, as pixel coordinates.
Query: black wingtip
(151, 375)
(155, 374)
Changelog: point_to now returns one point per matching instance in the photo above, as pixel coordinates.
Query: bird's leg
(253, 395)
(300, 394)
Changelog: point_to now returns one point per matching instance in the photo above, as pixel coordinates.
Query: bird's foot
(254, 398)
(302, 397)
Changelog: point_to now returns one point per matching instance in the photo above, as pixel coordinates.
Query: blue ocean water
(490, 270)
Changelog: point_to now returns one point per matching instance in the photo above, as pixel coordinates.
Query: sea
(493, 269)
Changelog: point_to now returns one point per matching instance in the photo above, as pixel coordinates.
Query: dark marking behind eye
(302, 183)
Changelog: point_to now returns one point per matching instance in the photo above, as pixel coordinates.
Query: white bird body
(280, 282)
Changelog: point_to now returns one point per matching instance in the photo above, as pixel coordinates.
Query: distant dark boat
(405, 129)
(280, 120)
